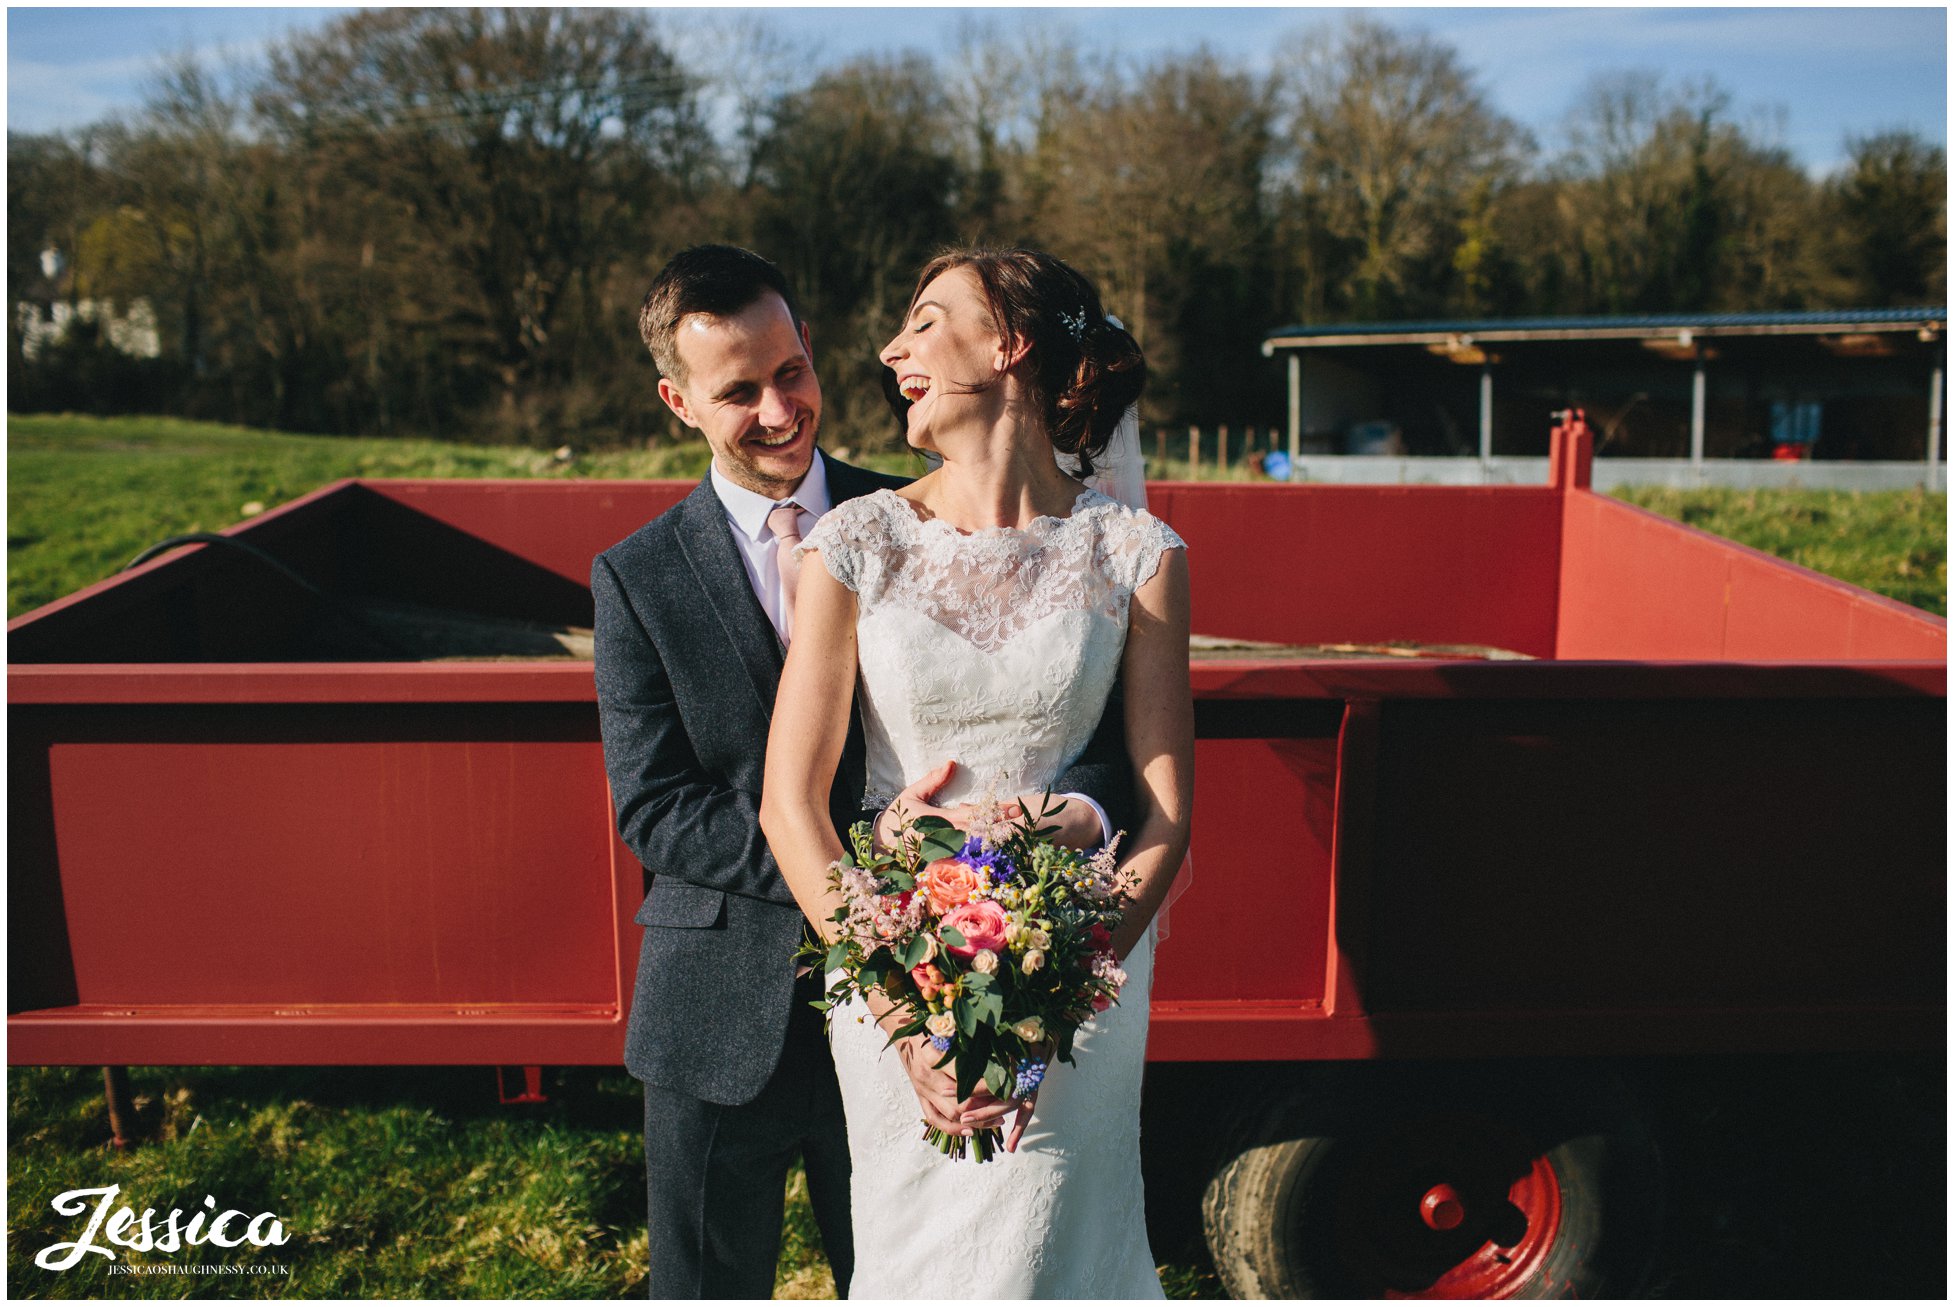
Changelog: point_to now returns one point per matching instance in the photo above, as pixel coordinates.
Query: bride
(987, 609)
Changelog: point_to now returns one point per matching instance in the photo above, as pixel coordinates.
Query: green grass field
(85, 495)
(1891, 542)
(415, 1182)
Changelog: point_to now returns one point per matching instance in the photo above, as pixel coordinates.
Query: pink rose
(981, 924)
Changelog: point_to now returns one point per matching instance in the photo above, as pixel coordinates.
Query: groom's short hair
(717, 280)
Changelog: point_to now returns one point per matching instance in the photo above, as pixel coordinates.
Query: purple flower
(1030, 1075)
(941, 1043)
(976, 856)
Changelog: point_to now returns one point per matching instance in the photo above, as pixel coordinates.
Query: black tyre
(1494, 1180)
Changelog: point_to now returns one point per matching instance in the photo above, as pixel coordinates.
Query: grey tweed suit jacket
(687, 666)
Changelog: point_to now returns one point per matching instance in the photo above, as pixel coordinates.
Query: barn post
(1696, 397)
(1935, 401)
(1295, 411)
(1486, 420)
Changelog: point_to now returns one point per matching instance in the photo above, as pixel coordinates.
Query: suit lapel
(845, 481)
(707, 542)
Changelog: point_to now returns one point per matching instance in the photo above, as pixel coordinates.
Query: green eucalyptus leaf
(970, 1070)
(937, 845)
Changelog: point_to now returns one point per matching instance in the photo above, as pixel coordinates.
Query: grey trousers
(716, 1176)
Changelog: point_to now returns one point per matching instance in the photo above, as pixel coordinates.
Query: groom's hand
(1074, 823)
(919, 800)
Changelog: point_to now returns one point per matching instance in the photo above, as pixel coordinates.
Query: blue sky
(1814, 75)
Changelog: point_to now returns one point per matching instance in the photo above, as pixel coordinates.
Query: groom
(694, 611)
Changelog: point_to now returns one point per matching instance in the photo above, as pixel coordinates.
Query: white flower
(1039, 939)
(942, 1024)
(1031, 1030)
(1033, 960)
(985, 961)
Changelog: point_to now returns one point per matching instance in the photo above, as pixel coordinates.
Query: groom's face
(749, 387)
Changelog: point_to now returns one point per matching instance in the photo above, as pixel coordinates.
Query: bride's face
(946, 350)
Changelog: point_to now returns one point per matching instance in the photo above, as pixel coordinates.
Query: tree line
(442, 221)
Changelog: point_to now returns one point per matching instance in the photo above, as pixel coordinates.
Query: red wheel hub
(1448, 1207)
(1442, 1207)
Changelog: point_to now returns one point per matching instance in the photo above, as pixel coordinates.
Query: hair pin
(1075, 323)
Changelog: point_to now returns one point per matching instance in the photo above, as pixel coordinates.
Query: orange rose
(951, 884)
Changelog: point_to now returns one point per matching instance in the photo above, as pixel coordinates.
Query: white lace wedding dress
(997, 648)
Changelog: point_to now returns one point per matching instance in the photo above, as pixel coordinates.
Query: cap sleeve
(844, 537)
(1133, 545)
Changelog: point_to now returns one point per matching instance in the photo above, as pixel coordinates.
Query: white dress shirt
(746, 514)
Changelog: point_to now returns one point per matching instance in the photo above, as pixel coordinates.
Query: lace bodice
(998, 647)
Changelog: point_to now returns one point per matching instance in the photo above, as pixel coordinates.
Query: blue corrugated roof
(1623, 322)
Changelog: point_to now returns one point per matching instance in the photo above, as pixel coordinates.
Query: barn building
(1847, 386)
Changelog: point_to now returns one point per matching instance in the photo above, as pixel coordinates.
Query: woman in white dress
(985, 610)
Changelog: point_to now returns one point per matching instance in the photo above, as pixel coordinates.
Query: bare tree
(855, 187)
(524, 146)
(1153, 182)
(1391, 137)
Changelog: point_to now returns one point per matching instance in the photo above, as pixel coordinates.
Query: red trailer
(1684, 797)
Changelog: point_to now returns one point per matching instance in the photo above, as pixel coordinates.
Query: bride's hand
(936, 1088)
(983, 1111)
(936, 1091)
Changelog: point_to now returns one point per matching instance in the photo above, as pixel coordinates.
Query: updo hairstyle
(1084, 371)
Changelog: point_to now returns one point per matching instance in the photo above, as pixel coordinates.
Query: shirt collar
(748, 511)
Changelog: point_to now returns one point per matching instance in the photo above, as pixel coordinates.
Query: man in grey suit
(694, 613)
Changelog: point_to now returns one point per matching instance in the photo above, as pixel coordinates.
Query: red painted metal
(531, 1090)
(1570, 457)
(1442, 1208)
(1488, 1210)
(1711, 815)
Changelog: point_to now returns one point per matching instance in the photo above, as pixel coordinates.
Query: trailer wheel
(1439, 1182)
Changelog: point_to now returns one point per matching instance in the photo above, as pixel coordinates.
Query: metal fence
(1217, 453)
(1732, 473)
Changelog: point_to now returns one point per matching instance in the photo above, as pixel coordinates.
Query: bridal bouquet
(997, 946)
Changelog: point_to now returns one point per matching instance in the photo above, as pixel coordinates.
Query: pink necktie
(785, 522)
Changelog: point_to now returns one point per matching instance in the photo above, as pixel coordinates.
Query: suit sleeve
(681, 822)
(1105, 769)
